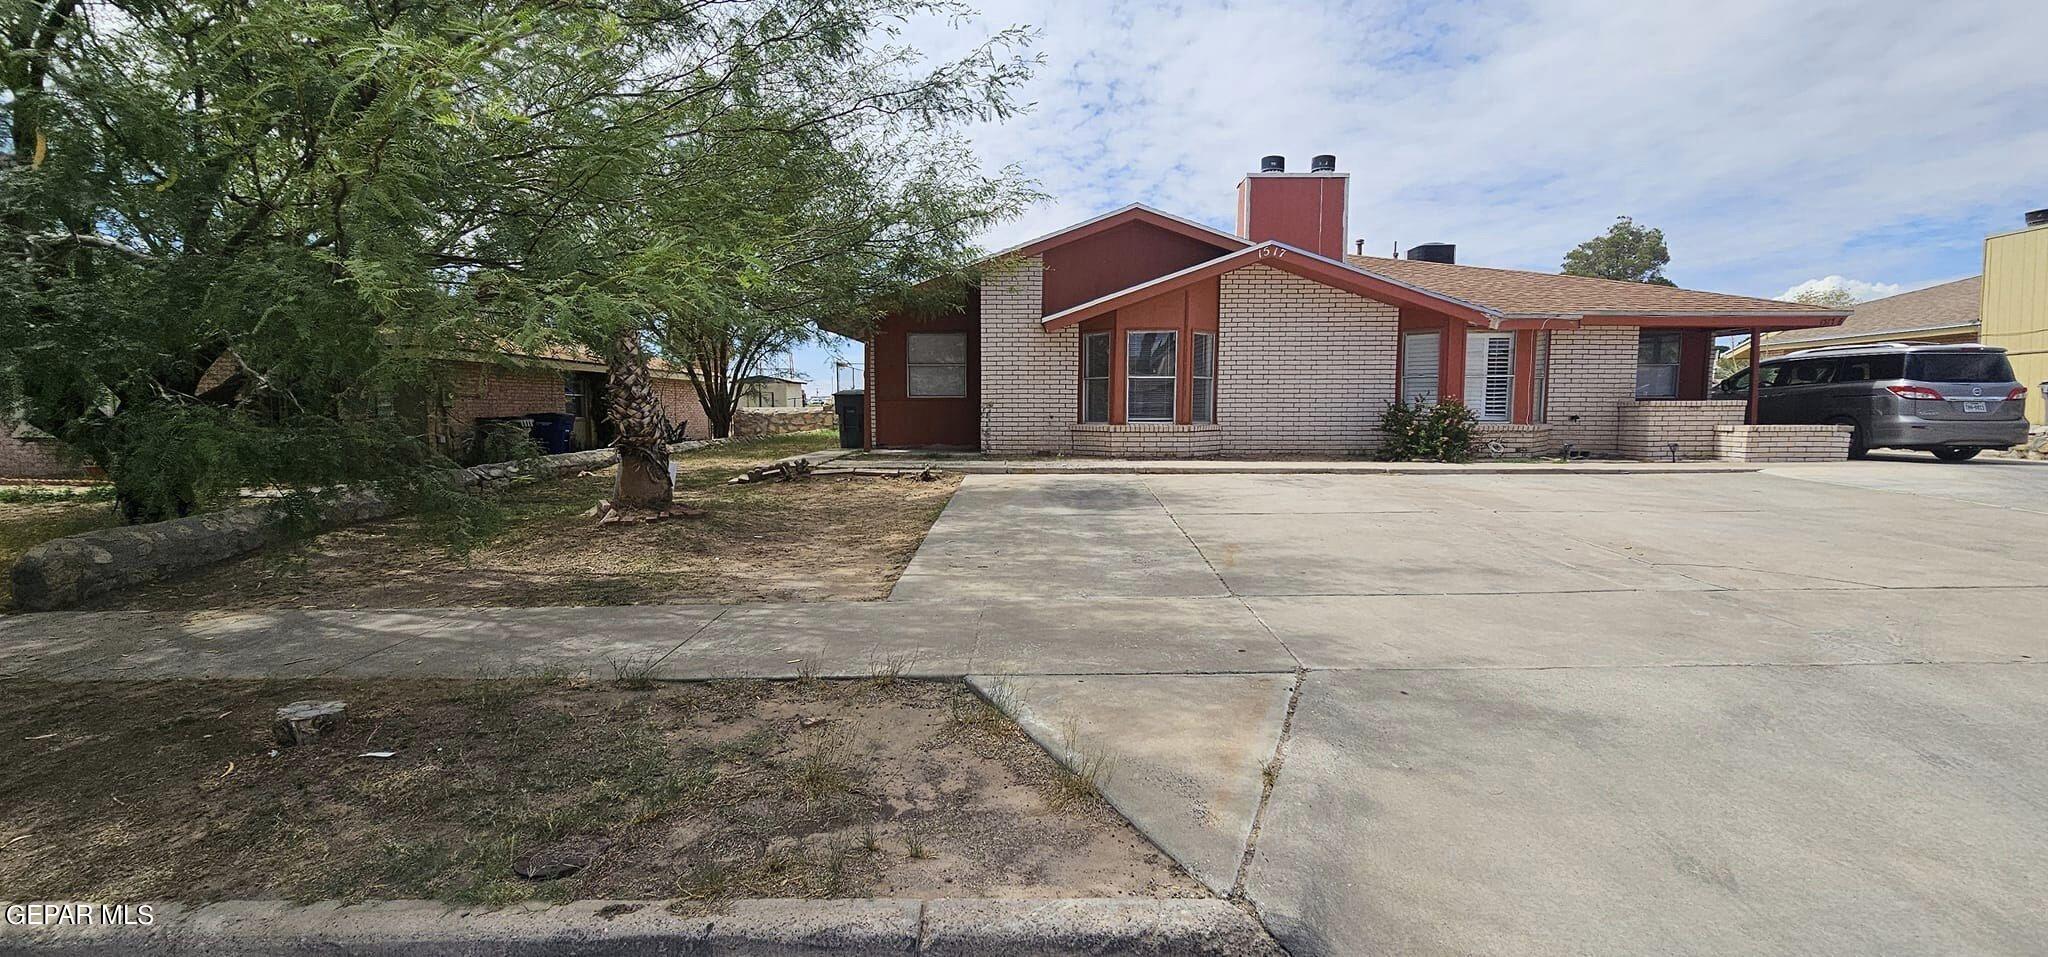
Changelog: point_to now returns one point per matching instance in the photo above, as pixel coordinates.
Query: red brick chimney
(1303, 210)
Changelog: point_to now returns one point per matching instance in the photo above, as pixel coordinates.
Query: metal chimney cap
(2037, 217)
(1323, 163)
(1274, 163)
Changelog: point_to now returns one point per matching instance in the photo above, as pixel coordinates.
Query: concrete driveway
(1789, 711)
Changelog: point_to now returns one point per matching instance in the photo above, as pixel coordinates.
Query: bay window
(1150, 371)
(1095, 377)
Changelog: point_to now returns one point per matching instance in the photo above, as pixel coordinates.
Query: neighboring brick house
(1947, 313)
(510, 384)
(27, 452)
(514, 383)
(1138, 333)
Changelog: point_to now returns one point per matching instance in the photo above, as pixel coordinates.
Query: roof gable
(1134, 213)
(1283, 257)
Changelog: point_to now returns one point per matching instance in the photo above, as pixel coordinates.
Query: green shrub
(1444, 432)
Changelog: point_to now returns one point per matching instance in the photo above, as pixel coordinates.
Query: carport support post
(1756, 345)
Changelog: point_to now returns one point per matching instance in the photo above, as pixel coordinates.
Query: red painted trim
(1282, 257)
(1522, 408)
(1036, 247)
(1718, 321)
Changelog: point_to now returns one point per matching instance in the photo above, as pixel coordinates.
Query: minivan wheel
(1949, 453)
(1858, 445)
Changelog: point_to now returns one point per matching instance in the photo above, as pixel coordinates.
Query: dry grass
(127, 791)
(31, 515)
(824, 538)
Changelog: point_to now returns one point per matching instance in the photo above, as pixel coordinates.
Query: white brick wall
(1515, 440)
(1783, 443)
(1301, 367)
(1647, 430)
(1148, 440)
(1028, 375)
(1592, 370)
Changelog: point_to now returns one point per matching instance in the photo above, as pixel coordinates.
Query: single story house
(1950, 312)
(516, 382)
(771, 392)
(506, 383)
(1140, 333)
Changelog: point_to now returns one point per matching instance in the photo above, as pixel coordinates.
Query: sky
(1778, 145)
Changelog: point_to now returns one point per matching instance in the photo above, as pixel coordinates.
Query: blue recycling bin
(554, 432)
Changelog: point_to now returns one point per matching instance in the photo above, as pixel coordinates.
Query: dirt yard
(176, 791)
(820, 539)
(33, 514)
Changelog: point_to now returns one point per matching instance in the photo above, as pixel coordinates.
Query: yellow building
(2015, 309)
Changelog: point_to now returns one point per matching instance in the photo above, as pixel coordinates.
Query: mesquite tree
(690, 162)
(845, 227)
(235, 232)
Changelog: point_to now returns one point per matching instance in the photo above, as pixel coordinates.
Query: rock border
(955, 927)
(66, 571)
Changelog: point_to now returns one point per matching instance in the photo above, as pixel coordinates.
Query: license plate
(1976, 407)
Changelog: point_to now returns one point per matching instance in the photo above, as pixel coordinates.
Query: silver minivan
(1952, 400)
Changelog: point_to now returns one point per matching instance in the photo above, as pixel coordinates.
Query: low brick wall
(1144, 440)
(1517, 440)
(65, 571)
(1647, 430)
(1783, 443)
(754, 423)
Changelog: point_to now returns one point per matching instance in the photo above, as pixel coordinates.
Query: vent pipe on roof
(1323, 163)
(1273, 164)
(2037, 217)
(1446, 253)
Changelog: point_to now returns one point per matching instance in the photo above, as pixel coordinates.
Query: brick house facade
(471, 389)
(1141, 334)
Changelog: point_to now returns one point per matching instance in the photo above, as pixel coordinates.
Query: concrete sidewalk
(678, 642)
(976, 465)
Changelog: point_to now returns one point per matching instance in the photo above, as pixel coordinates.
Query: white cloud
(1858, 289)
(1770, 141)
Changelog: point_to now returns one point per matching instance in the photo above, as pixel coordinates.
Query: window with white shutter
(1420, 352)
(1490, 374)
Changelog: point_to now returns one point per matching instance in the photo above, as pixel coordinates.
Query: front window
(1657, 361)
(1149, 372)
(938, 365)
(1490, 374)
(1419, 357)
(572, 394)
(1095, 377)
(1203, 391)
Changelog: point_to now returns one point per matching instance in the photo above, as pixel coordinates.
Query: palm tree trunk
(643, 481)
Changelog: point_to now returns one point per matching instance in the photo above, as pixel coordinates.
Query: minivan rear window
(1871, 368)
(1959, 367)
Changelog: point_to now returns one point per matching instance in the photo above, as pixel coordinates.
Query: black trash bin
(554, 432)
(852, 406)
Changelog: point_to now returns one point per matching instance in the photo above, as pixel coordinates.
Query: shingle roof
(1935, 307)
(1518, 292)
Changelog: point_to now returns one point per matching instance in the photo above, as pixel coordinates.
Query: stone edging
(1197, 927)
(65, 571)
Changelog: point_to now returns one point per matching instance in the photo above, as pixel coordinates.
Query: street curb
(1217, 467)
(1203, 927)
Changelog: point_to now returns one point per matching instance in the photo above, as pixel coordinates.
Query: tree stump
(303, 722)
